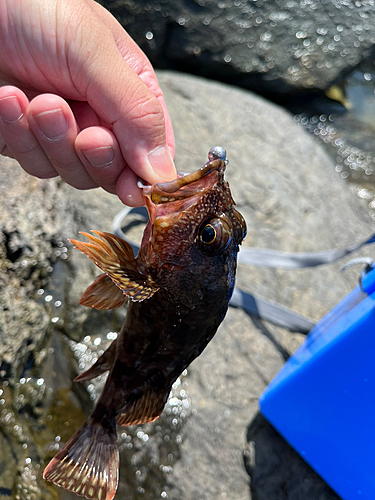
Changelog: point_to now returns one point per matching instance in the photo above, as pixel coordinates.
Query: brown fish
(179, 288)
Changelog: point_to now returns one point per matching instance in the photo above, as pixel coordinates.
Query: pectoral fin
(103, 294)
(115, 257)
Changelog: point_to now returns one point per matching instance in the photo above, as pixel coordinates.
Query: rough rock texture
(292, 199)
(272, 47)
(36, 220)
(38, 304)
(210, 442)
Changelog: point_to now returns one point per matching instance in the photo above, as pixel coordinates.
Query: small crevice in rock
(14, 245)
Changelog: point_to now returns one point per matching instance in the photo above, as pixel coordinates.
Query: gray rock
(38, 306)
(36, 221)
(273, 47)
(203, 444)
(292, 199)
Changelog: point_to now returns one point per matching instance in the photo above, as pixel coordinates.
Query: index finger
(139, 63)
(127, 95)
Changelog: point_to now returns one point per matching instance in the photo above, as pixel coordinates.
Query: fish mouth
(186, 185)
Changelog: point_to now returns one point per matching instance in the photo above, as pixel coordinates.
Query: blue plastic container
(323, 400)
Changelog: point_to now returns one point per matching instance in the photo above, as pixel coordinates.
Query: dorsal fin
(88, 463)
(143, 410)
(103, 294)
(115, 257)
(102, 365)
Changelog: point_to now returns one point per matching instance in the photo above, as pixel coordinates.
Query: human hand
(79, 99)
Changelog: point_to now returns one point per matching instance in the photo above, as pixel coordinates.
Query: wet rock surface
(278, 47)
(38, 301)
(209, 442)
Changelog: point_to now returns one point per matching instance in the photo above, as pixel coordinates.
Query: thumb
(115, 75)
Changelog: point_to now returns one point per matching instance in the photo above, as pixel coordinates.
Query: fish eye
(208, 235)
(214, 236)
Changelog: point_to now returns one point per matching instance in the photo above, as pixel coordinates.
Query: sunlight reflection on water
(350, 137)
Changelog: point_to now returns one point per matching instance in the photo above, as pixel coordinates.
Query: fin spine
(102, 365)
(115, 257)
(144, 410)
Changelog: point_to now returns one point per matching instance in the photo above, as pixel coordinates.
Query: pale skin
(79, 99)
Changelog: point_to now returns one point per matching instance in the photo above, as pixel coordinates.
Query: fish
(178, 289)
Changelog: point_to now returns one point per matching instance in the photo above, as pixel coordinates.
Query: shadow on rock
(277, 472)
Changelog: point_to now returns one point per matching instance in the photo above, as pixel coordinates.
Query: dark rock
(292, 199)
(276, 471)
(272, 47)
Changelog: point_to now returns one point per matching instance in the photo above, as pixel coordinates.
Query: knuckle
(147, 115)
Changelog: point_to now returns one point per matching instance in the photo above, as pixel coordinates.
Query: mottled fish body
(179, 288)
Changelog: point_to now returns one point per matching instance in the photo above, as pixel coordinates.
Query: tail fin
(88, 464)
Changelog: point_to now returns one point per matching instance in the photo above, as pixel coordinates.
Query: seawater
(348, 132)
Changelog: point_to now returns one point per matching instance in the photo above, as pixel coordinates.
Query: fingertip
(17, 139)
(97, 145)
(128, 191)
(100, 154)
(52, 121)
(10, 90)
(99, 157)
(53, 111)
(54, 126)
(13, 104)
(162, 164)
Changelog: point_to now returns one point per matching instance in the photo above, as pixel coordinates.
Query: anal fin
(102, 365)
(103, 294)
(88, 464)
(143, 410)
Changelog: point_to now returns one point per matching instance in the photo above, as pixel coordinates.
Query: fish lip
(175, 185)
(163, 191)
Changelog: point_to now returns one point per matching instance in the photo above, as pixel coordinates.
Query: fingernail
(52, 124)
(10, 109)
(99, 157)
(162, 163)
